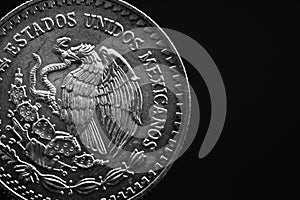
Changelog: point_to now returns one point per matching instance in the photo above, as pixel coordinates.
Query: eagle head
(74, 53)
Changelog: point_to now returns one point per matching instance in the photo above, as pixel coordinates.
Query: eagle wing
(120, 101)
(78, 105)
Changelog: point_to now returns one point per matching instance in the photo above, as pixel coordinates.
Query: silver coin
(95, 101)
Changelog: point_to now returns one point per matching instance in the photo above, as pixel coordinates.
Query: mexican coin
(95, 101)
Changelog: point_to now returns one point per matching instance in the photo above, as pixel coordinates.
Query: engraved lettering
(154, 134)
(107, 25)
(118, 30)
(26, 31)
(4, 63)
(159, 113)
(49, 23)
(38, 30)
(161, 99)
(71, 19)
(61, 20)
(146, 60)
(100, 23)
(128, 36)
(89, 20)
(20, 41)
(11, 49)
(134, 42)
(149, 143)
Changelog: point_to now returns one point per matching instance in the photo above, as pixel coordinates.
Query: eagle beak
(63, 42)
(71, 55)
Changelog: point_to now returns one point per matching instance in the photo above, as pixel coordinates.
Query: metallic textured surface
(94, 104)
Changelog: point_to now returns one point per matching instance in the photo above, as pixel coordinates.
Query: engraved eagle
(103, 86)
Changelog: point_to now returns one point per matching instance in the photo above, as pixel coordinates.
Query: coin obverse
(95, 101)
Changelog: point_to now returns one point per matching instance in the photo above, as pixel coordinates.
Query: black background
(251, 43)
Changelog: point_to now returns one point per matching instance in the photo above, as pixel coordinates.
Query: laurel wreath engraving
(29, 173)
